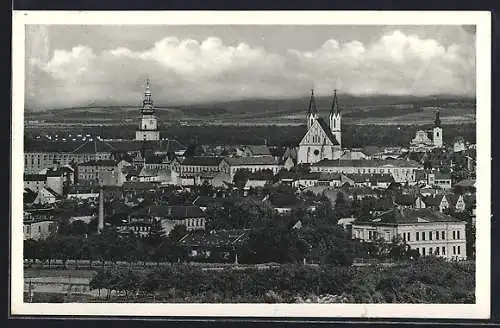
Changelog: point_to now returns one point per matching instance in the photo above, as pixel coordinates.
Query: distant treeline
(352, 136)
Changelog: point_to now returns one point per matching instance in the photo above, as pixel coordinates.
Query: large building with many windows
(427, 231)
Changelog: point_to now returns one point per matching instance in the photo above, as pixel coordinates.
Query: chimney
(100, 225)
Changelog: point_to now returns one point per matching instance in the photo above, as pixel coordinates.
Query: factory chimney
(100, 225)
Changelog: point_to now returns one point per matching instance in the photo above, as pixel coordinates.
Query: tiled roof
(323, 176)
(93, 147)
(202, 161)
(137, 185)
(405, 199)
(101, 162)
(328, 132)
(241, 161)
(467, 183)
(408, 216)
(258, 150)
(389, 163)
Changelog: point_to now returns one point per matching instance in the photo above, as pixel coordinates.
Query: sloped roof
(202, 161)
(93, 147)
(405, 199)
(140, 185)
(241, 161)
(467, 183)
(323, 176)
(151, 172)
(408, 216)
(328, 132)
(101, 162)
(389, 163)
(258, 150)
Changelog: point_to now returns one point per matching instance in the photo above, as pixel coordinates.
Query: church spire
(147, 103)
(437, 120)
(335, 106)
(312, 104)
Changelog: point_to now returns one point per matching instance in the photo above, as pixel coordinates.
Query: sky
(77, 65)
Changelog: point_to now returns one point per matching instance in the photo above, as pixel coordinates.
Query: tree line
(428, 280)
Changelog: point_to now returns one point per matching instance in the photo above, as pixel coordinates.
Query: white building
(148, 127)
(422, 142)
(427, 231)
(322, 140)
(401, 170)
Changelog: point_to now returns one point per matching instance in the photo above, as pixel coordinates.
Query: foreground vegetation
(429, 280)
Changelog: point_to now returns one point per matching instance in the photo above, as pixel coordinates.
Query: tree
(341, 208)
(241, 177)
(274, 242)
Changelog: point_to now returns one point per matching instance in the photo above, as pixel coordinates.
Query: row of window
(195, 222)
(189, 168)
(437, 250)
(407, 172)
(430, 235)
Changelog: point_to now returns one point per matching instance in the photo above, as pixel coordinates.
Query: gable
(319, 134)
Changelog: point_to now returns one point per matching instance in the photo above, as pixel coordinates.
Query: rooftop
(408, 216)
(389, 163)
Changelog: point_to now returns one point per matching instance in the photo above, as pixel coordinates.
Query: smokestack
(100, 225)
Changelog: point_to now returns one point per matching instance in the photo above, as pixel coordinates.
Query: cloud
(191, 71)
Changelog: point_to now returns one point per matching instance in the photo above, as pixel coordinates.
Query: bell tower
(335, 119)
(437, 132)
(148, 126)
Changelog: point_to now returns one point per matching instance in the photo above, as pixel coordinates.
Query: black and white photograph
(331, 164)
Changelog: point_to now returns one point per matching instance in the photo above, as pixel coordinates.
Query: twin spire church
(322, 140)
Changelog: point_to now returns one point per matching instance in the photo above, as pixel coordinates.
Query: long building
(427, 231)
(401, 170)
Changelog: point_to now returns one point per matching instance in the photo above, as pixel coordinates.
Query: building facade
(427, 231)
(322, 140)
(401, 170)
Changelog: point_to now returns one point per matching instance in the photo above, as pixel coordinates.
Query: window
(437, 235)
(430, 235)
(423, 251)
(423, 235)
(454, 235)
(418, 250)
(454, 250)
(417, 236)
(39, 229)
(443, 250)
(443, 236)
(458, 235)
(408, 239)
(437, 251)
(458, 250)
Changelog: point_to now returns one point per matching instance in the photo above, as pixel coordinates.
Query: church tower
(335, 118)
(148, 127)
(312, 111)
(437, 132)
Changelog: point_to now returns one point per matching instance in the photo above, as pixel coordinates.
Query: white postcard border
(482, 20)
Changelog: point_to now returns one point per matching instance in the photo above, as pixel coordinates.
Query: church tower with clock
(148, 126)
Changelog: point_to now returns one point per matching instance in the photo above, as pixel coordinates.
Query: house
(230, 165)
(284, 203)
(46, 196)
(401, 170)
(329, 179)
(158, 174)
(459, 145)
(34, 182)
(39, 229)
(102, 172)
(197, 164)
(467, 186)
(440, 180)
(307, 180)
(438, 202)
(192, 217)
(428, 232)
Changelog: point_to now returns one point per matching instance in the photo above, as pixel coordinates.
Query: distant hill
(356, 109)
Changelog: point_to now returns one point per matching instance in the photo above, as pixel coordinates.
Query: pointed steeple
(437, 120)
(312, 104)
(335, 106)
(147, 103)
